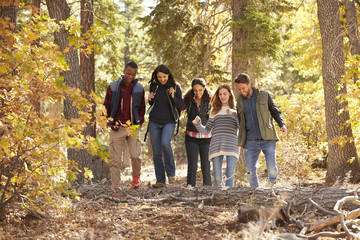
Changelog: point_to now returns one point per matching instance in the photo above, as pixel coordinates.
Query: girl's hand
(172, 92)
(196, 120)
(231, 111)
(151, 96)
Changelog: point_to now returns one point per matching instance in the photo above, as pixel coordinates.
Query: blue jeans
(230, 170)
(193, 149)
(160, 136)
(252, 152)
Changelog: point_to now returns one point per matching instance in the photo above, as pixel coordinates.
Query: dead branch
(33, 213)
(340, 217)
(182, 199)
(331, 221)
(303, 231)
(168, 198)
(336, 219)
(323, 234)
(321, 208)
(338, 207)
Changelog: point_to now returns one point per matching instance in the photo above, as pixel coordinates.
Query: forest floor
(141, 215)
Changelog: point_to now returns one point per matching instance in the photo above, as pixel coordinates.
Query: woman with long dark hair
(197, 102)
(165, 99)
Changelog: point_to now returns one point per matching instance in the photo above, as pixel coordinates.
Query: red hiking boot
(135, 183)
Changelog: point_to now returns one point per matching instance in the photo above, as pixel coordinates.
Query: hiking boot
(158, 185)
(135, 183)
(117, 196)
(171, 179)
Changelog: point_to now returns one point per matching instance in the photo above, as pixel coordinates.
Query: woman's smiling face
(224, 96)
(198, 91)
(162, 77)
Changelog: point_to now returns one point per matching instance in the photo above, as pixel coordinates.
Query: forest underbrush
(174, 212)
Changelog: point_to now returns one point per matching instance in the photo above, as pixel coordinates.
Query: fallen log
(235, 196)
(298, 198)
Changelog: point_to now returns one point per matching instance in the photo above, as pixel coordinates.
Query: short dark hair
(242, 78)
(132, 65)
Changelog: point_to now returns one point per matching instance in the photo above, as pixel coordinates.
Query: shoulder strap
(187, 110)
(152, 106)
(147, 130)
(173, 108)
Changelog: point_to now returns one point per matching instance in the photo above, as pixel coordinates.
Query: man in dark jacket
(256, 111)
(125, 106)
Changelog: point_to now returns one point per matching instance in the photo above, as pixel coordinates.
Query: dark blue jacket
(137, 102)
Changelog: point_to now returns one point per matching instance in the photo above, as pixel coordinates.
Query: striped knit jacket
(224, 129)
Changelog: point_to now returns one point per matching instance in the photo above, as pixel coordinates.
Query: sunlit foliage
(33, 144)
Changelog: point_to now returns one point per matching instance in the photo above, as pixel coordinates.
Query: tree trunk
(9, 10)
(35, 12)
(6, 11)
(353, 29)
(61, 11)
(87, 61)
(342, 158)
(127, 46)
(239, 63)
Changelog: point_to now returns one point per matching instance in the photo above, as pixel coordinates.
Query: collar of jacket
(122, 83)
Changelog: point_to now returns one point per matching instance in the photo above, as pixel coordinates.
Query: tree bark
(60, 11)
(36, 11)
(352, 26)
(239, 63)
(87, 61)
(333, 68)
(7, 11)
(353, 29)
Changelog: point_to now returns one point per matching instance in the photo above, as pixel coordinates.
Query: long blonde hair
(215, 100)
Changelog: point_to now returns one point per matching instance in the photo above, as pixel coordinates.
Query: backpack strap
(174, 111)
(148, 112)
(147, 130)
(187, 110)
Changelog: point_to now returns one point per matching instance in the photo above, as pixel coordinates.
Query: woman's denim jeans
(252, 152)
(160, 136)
(230, 170)
(193, 149)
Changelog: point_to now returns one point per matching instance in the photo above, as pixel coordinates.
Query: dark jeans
(160, 136)
(193, 148)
